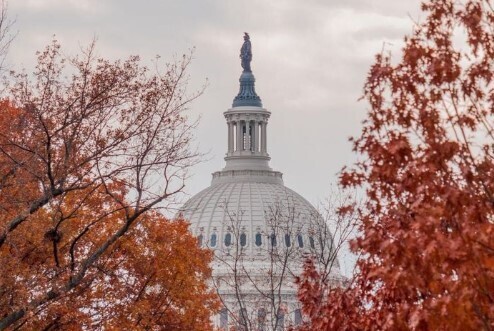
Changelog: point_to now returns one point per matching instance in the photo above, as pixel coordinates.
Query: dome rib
(214, 190)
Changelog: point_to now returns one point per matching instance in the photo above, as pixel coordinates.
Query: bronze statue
(246, 53)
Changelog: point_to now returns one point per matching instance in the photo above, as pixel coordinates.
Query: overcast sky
(310, 59)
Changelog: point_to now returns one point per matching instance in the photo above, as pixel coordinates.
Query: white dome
(260, 228)
(256, 207)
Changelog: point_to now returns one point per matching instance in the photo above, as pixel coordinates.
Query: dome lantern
(247, 124)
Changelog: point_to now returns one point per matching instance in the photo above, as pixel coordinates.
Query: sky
(310, 60)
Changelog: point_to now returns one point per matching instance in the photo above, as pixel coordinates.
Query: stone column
(230, 137)
(240, 136)
(247, 135)
(264, 146)
(255, 135)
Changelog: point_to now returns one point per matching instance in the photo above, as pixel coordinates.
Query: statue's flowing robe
(246, 55)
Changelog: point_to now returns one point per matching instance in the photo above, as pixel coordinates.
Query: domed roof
(253, 206)
(253, 199)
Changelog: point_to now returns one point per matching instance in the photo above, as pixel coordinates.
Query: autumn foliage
(427, 231)
(87, 154)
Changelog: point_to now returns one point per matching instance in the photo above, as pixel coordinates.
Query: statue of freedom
(246, 53)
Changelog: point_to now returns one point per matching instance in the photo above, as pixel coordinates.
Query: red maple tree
(427, 230)
(86, 157)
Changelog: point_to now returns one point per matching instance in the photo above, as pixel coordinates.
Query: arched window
(199, 240)
(288, 243)
(213, 240)
(261, 319)
(243, 239)
(298, 317)
(224, 318)
(311, 242)
(258, 239)
(300, 240)
(273, 240)
(228, 239)
(280, 319)
(242, 323)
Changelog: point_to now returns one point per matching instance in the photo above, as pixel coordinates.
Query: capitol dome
(260, 230)
(254, 205)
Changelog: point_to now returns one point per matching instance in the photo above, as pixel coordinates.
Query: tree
(6, 33)
(290, 235)
(426, 232)
(86, 157)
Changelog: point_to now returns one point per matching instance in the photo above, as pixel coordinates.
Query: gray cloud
(310, 60)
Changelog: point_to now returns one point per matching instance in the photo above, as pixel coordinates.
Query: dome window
(213, 240)
(199, 240)
(300, 240)
(273, 240)
(228, 239)
(280, 319)
(311, 242)
(258, 239)
(298, 317)
(261, 318)
(223, 318)
(243, 239)
(288, 242)
(242, 323)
